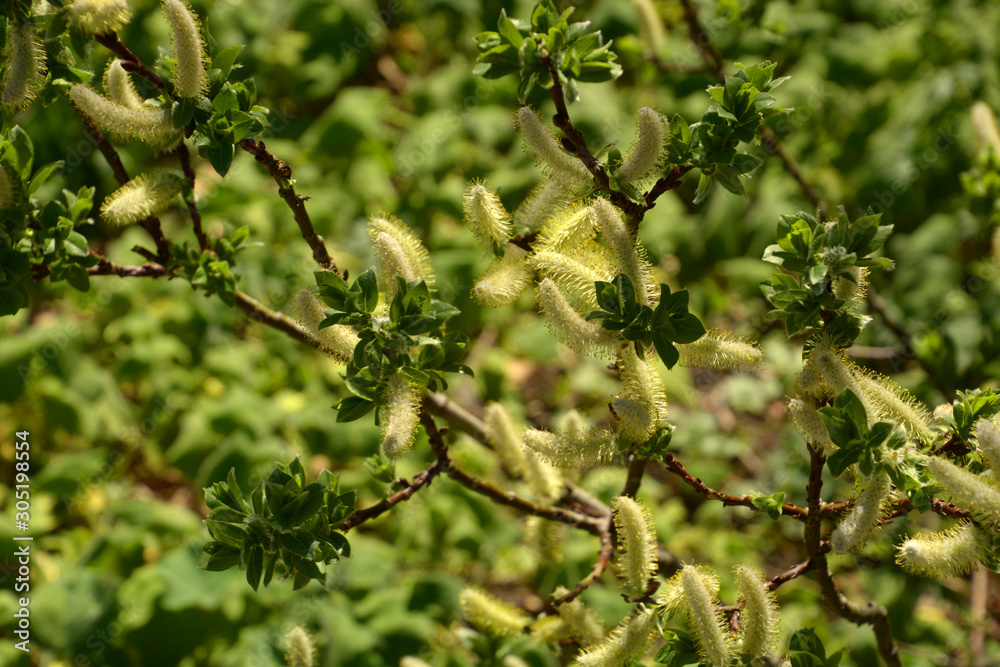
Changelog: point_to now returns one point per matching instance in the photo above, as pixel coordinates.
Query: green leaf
(216, 557)
(255, 567)
(221, 156)
(353, 408)
(226, 58)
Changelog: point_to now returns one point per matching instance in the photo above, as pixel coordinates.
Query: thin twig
(636, 468)
(105, 267)
(258, 312)
(185, 159)
(281, 173)
(600, 565)
(771, 144)
(871, 614)
(421, 479)
(702, 40)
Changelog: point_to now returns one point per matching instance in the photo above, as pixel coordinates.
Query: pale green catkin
(563, 168)
(650, 25)
(626, 642)
(490, 614)
(810, 425)
(504, 437)
(637, 544)
(189, 48)
(299, 650)
(142, 197)
(417, 257)
(338, 341)
(646, 155)
(943, 554)
(642, 383)
(485, 215)
(24, 66)
(590, 448)
(720, 350)
(118, 86)
(150, 126)
(571, 229)
(988, 435)
(863, 521)
(571, 326)
(893, 403)
(635, 419)
(504, 280)
(852, 291)
(542, 203)
(98, 17)
(582, 622)
(967, 490)
(629, 258)
(412, 661)
(402, 402)
(576, 274)
(545, 481)
(705, 618)
(759, 616)
(984, 124)
(670, 595)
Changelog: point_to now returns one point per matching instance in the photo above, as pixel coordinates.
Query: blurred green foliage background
(141, 392)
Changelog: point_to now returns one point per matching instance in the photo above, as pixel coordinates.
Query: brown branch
(871, 614)
(281, 173)
(676, 467)
(600, 565)
(258, 312)
(105, 267)
(789, 574)
(700, 37)
(771, 144)
(508, 498)
(421, 479)
(185, 159)
(636, 468)
(131, 62)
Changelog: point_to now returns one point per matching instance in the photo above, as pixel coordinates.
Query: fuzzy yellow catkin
(144, 196)
(670, 595)
(984, 125)
(629, 256)
(591, 448)
(705, 618)
(967, 490)
(24, 66)
(852, 291)
(720, 350)
(412, 661)
(650, 25)
(98, 17)
(988, 435)
(549, 630)
(635, 419)
(191, 79)
(563, 168)
(892, 402)
(416, 253)
(541, 204)
(575, 275)
(637, 544)
(485, 215)
(864, 520)
(626, 642)
(646, 155)
(491, 614)
(504, 437)
(642, 382)
(571, 229)
(401, 399)
(150, 126)
(545, 539)
(545, 481)
(810, 425)
(299, 648)
(759, 616)
(338, 341)
(581, 621)
(571, 326)
(118, 86)
(943, 554)
(504, 280)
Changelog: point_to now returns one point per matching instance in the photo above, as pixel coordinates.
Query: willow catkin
(647, 153)
(490, 614)
(626, 642)
(705, 618)
(759, 616)
(24, 66)
(150, 126)
(504, 280)
(637, 544)
(142, 197)
(720, 350)
(563, 168)
(191, 79)
(299, 650)
(98, 17)
(401, 400)
(943, 554)
(485, 215)
(864, 520)
(118, 85)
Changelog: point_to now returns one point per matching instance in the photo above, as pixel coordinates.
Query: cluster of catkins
(121, 112)
(826, 373)
(579, 239)
(691, 592)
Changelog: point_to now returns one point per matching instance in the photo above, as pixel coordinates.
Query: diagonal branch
(420, 480)
(281, 173)
(131, 62)
(600, 565)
